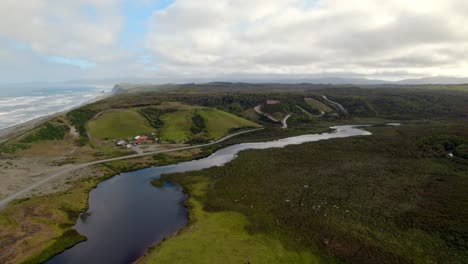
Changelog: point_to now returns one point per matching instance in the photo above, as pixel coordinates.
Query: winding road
(51, 177)
(284, 121)
(259, 111)
(335, 103)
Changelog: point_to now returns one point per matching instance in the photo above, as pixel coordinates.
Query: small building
(121, 142)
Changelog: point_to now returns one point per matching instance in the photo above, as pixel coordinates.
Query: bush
(12, 148)
(441, 145)
(198, 124)
(153, 115)
(79, 118)
(48, 131)
(461, 151)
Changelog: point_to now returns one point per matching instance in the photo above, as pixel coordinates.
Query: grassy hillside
(392, 201)
(318, 105)
(176, 125)
(219, 123)
(178, 122)
(119, 124)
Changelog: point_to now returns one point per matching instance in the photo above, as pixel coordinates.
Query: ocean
(19, 104)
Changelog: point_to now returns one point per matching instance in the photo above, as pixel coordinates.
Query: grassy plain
(389, 202)
(119, 124)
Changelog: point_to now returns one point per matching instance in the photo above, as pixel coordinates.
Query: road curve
(259, 111)
(17, 195)
(284, 121)
(335, 103)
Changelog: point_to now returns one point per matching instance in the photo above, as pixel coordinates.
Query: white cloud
(310, 37)
(63, 28)
(202, 38)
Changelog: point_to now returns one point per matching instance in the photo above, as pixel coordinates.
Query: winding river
(127, 214)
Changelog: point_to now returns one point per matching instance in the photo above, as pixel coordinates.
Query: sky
(172, 40)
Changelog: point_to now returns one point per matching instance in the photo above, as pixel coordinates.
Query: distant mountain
(364, 81)
(336, 81)
(148, 83)
(433, 80)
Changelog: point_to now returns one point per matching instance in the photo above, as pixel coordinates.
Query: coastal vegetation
(397, 196)
(48, 131)
(386, 202)
(35, 229)
(52, 130)
(79, 117)
(220, 237)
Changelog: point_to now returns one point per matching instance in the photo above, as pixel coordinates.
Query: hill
(118, 125)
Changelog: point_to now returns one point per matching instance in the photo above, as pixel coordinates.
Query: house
(121, 142)
(141, 139)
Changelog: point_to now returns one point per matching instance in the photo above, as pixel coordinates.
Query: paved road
(259, 111)
(19, 194)
(335, 103)
(284, 121)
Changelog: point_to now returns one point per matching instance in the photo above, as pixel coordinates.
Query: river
(127, 214)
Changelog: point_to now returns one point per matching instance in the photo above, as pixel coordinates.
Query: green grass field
(119, 124)
(176, 126)
(221, 237)
(318, 105)
(219, 123)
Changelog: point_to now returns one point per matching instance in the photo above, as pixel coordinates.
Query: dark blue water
(127, 214)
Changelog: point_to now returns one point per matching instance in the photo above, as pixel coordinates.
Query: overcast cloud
(78, 39)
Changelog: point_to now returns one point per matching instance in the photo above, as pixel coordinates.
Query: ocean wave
(17, 110)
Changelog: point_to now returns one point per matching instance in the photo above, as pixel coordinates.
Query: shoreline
(8, 133)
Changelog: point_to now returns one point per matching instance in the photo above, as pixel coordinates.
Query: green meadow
(176, 125)
(219, 123)
(119, 124)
